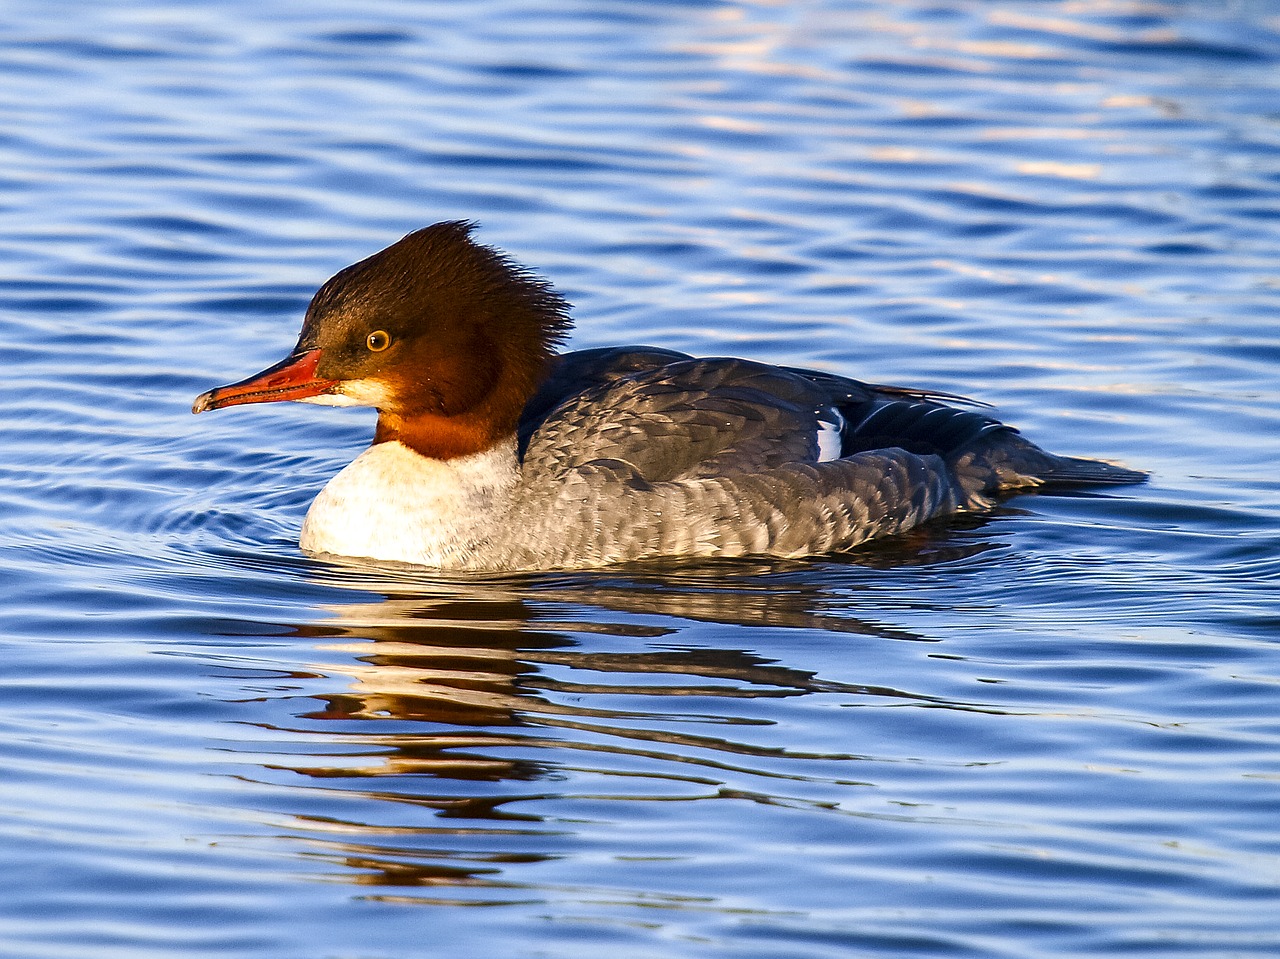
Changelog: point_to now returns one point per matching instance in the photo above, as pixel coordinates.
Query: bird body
(495, 452)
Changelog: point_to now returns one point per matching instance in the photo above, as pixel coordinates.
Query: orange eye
(378, 340)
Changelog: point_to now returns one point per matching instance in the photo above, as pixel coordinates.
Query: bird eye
(378, 340)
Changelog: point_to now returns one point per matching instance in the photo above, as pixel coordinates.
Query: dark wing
(984, 455)
(669, 416)
(659, 415)
(585, 371)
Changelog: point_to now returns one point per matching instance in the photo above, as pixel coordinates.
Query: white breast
(392, 503)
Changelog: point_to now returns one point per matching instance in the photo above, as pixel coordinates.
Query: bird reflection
(461, 670)
(485, 668)
(484, 703)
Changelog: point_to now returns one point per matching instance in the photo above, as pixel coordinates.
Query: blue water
(1052, 731)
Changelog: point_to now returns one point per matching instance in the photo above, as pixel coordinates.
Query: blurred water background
(1053, 731)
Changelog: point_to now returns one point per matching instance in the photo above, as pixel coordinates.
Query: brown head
(447, 338)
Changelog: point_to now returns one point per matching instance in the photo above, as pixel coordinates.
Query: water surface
(1051, 731)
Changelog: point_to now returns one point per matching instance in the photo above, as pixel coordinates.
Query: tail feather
(1003, 463)
(1072, 470)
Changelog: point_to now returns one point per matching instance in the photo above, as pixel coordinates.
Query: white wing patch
(830, 426)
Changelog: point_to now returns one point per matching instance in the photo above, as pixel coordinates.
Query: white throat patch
(366, 392)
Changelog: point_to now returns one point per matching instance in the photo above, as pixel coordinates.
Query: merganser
(494, 452)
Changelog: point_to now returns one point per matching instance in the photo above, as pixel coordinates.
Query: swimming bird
(494, 451)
